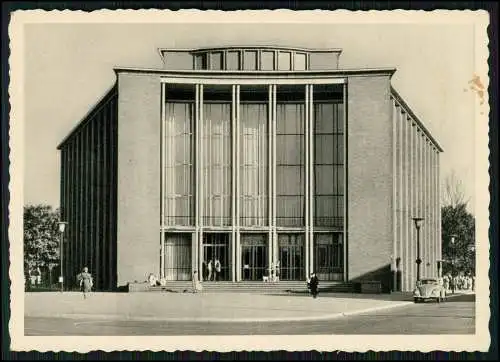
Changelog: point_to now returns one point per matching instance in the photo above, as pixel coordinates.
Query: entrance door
(216, 246)
(291, 253)
(177, 256)
(253, 256)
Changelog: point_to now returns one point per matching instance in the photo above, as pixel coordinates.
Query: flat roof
(272, 47)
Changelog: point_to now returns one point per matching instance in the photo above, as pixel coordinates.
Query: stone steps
(283, 287)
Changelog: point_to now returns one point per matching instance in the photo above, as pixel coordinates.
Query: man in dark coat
(313, 284)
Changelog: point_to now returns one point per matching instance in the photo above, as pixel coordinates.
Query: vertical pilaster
(395, 119)
(406, 233)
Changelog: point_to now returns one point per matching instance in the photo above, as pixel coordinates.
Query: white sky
(68, 67)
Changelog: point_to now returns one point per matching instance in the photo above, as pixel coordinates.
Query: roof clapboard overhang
(113, 91)
(401, 102)
(251, 47)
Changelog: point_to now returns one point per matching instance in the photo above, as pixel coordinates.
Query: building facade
(255, 157)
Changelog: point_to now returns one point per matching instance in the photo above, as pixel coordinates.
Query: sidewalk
(217, 307)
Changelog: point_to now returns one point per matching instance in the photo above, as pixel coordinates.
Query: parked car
(429, 289)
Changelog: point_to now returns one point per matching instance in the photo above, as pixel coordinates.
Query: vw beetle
(429, 288)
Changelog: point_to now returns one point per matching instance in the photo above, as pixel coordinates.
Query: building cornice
(259, 73)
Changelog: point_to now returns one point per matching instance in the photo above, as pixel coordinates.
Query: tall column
(273, 194)
(310, 196)
(201, 180)
(162, 182)
(410, 275)
(235, 179)
(345, 239)
(270, 167)
(307, 185)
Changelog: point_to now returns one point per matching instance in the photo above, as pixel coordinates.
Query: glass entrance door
(177, 256)
(253, 256)
(291, 253)
(216, 250)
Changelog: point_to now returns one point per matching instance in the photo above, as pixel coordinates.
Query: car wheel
(415, 300)
(438, 300)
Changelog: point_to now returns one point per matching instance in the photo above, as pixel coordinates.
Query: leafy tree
(41, 236)
(458, 224)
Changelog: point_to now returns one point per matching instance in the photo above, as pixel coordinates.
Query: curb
(118, 317)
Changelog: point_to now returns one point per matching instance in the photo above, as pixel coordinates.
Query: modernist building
(250, 155)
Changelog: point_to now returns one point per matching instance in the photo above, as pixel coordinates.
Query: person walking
(313, 284)
(218, 268)
(209, 269)
(86, 282)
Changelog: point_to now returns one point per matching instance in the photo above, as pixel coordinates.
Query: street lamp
(418, 224)
(62, 228)
(453, 263)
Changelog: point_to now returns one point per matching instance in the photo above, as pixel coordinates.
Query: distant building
(250, 155)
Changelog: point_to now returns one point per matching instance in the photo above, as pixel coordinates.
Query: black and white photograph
(253, 180)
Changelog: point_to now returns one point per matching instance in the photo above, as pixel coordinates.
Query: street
(456, 316)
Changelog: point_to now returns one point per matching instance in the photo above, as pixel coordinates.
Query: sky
(68, 67)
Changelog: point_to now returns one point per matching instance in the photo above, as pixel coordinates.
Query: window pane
(324, 180)
(267, 60)
(324, 115)
(200, 61)
(216, 61)
(284, 61)
(250, 60)
(300, 61)
(233, 61)
(324, 149)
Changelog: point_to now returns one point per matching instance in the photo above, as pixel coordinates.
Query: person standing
(313, 284)
(86, 282)
(197, 287)
(209, 269)
(218, 268)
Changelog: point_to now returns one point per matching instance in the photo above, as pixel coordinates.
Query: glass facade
(254, 178)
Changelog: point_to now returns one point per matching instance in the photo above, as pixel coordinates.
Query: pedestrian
(86, 282)
(218, 269)
(313, 284)
(209, 269)
(197, 287)
(277, 271)
(473, 283)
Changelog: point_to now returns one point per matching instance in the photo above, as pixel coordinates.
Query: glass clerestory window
(178, 155)
(328, 157)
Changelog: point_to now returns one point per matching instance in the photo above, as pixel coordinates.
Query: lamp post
(418, 224)
(62, 228)
(453, 263)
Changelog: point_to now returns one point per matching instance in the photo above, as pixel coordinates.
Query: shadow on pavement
(462, 298)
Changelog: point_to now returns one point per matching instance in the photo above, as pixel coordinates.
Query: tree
(41, 236)
(457, 222)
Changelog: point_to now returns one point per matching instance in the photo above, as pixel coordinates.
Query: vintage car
(429, 289)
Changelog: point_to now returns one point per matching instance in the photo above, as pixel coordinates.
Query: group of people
(212, 270)
(459, 282)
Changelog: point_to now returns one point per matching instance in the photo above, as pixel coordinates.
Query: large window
(328, 256)
(217, 156)
(254, 165)
(216, 251)
(290, 156)
(179, 155)
(328, 157)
